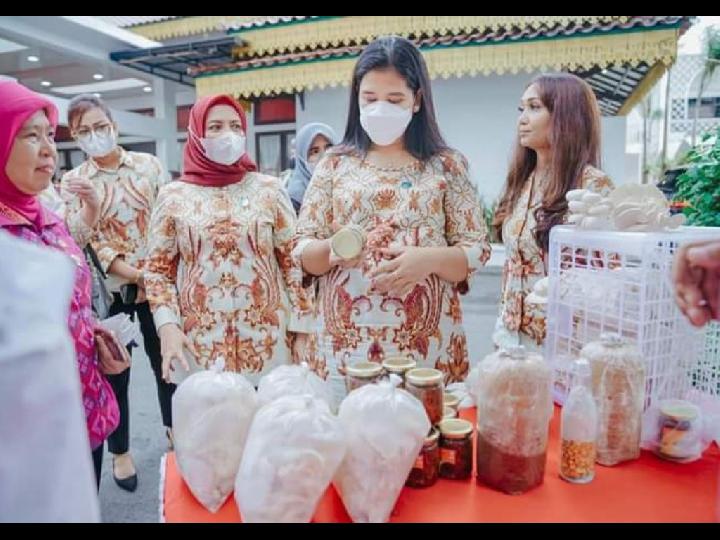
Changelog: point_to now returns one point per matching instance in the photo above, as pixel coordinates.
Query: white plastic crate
(607, 281)
(705, 373)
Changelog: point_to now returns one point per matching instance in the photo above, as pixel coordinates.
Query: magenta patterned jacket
(101, 408)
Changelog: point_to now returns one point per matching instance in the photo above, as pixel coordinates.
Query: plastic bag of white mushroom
(294, 447)
(293, 380)
(212, 411)
(386, 427)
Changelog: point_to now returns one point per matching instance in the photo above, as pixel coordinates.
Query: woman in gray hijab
(311, 143)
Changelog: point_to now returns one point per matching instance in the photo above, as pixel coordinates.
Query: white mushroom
(575, 194)
(577, 207)
(600, 210)
(591, 198)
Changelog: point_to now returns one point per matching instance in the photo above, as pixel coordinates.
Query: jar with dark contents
(361, 374)
(399, 365)
(426, 384)
(514, 401)
(426, 467)
(456, 449)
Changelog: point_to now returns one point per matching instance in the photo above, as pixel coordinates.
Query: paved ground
(148, 441)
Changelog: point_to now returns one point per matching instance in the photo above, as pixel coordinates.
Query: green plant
(489, 215)
(699, 186)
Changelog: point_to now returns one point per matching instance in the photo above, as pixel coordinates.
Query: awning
(621, 57)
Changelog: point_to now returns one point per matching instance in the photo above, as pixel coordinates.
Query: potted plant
(698, 188)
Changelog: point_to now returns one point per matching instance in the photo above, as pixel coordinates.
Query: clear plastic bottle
(578, 431)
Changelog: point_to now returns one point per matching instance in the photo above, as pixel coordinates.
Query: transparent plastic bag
(126, 330)
(676, 430)
(46, 471)
(212, 412)
(294, 447)
(293, 380)
(514, 410)
(618, 378)
(386, 427)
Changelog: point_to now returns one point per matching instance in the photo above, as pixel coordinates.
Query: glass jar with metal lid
(426, 467)
(362, 373)
(680, 427)
(348, 242)
(456, 449)
(451, 400)
(399, 365)
(426, 384)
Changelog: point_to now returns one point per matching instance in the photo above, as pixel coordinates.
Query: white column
(164, 103)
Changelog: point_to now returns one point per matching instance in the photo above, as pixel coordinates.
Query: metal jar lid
(451, 400)
(364, 370)
(347, 243)
(455, 428)
(680, 410)
(399, 364)
(424, 377)
(449, 413)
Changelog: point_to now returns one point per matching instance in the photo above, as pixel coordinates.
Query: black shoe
(128, 484)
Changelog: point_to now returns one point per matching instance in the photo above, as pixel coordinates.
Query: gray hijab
(300, 177)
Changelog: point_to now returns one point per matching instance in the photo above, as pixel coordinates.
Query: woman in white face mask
(394, 178)
(220, 279)
(126, 184)
(311, 143)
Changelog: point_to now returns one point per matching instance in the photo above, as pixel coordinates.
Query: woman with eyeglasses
(127, 184)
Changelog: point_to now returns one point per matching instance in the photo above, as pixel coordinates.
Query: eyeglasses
(102, 130)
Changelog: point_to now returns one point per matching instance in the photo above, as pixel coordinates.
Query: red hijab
(17, 104)
(197, 168)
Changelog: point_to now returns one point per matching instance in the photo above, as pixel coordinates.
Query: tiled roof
(488, 36)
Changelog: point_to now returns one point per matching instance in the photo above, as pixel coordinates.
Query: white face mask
(96, 145)
(384, 122)
(226, 149)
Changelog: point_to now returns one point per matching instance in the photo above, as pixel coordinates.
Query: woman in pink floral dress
(27, 161)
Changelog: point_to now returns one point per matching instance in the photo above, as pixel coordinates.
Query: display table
(645, 490)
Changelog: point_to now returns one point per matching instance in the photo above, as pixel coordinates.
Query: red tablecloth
(645, 490)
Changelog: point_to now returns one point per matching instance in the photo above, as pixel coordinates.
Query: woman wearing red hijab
(220, 278)
(27, 162)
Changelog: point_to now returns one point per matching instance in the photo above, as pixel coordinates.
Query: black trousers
(119, 441)
(97, 456)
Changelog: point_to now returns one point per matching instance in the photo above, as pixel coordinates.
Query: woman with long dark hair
(557, 150)
(395, 180)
